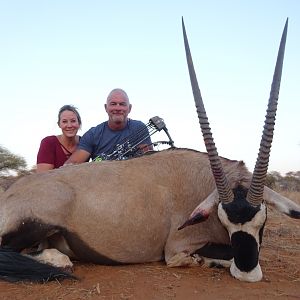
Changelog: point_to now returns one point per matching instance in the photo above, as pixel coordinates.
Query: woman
(55, 150)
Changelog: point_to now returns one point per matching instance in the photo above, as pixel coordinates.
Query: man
(99, 141)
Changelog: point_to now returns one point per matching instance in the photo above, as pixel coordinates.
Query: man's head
(117, 107)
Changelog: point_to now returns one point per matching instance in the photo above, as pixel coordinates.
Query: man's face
(117, 108)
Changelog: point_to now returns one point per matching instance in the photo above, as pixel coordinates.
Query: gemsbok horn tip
(224, 191)
(256, 190)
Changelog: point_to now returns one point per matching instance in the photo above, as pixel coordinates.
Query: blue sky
(74, 52)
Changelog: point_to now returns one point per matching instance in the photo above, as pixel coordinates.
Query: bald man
(100, 140)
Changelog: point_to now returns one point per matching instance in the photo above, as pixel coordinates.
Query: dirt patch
(280, 257)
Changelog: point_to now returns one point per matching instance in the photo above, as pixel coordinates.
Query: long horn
(255, 193)
(225, 193)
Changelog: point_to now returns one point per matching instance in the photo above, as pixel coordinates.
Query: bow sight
(128, 147)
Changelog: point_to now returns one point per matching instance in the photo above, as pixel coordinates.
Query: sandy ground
(280, 258)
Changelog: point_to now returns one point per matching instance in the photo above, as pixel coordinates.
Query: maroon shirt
(51, 152)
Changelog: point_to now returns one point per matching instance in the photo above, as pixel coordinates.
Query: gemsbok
(130, 211)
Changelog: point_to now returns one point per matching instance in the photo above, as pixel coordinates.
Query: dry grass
(281, 243)
(295, 196)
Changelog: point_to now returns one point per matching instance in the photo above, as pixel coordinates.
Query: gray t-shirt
(101, 140)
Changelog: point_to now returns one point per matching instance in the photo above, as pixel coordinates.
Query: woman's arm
(43, 167)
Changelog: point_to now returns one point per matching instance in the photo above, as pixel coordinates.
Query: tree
(289, 182)
(294, 174)
(11, 162)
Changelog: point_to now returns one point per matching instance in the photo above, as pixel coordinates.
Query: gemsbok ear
(281, 203)
(203, 210)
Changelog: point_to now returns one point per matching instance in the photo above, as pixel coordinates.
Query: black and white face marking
(245, 224)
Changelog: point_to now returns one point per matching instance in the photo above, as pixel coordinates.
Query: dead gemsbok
(129, 211)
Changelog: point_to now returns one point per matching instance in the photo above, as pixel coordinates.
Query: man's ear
(130, 106)
(105, 107)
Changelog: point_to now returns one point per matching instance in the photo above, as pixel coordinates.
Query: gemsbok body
(140, 210)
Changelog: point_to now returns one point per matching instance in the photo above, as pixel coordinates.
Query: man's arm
(145, 147)
(79, 156)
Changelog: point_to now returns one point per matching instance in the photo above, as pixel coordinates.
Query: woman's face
(68, 123)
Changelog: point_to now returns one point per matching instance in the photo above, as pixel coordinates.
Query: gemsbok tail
(16, 267)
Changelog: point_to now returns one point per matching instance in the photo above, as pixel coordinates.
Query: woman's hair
(70, 108)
